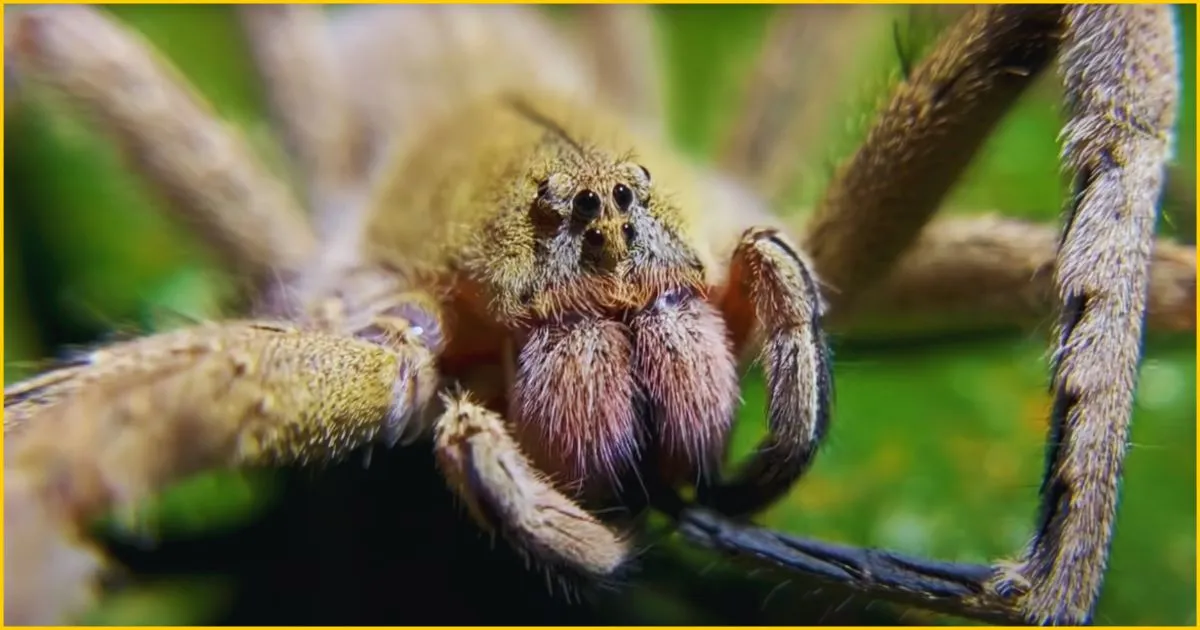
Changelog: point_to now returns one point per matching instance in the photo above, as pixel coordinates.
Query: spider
(515, 267)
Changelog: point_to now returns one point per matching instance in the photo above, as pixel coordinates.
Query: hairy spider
(514, 266)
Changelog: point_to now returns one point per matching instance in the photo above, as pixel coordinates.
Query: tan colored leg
(133, 418)
(505, 494)
(922, 141)
(205, 169)
(296, 63)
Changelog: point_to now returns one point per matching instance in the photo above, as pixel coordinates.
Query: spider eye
(645, 173)
(586, 205)
(629, 231)
(623, 196)
(593, 237)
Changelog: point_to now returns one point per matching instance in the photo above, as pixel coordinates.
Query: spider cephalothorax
(514, 267)
(559, 236)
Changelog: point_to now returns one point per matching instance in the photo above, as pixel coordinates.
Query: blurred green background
(936, 447)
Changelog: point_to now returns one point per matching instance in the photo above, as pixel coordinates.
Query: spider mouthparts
(591, 395)
(573, 403)
(685, 366)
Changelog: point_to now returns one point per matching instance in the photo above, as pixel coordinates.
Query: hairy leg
(771, 291)
(130, 419)
(991, 271)
(295, 59)
(505, 494)
(985, 271)
(206, 170)
(949, 587)
(621, 43)
(790, 97)
(1119, 65)
(922, 141)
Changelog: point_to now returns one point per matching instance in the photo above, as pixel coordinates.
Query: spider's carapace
(573, 253)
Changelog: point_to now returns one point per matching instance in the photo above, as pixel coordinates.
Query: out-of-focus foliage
(936, 447)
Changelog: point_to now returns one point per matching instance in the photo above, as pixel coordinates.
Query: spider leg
(206, 170)
(1119, 66)
(504, 493)
(619, 40)
(295, 59)
(922, 141)
(948, 587)
(130, 419)
(988, 270)
(787, 103)
(771, 283)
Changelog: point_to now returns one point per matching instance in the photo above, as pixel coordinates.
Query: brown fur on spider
(514, 266)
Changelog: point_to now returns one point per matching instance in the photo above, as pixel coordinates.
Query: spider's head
(622, 366)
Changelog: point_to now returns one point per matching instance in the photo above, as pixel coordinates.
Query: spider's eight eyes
(623, 196)
(594, 237)
(586, 205)
(629, 232)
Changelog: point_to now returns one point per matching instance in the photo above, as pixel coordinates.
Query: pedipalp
(771, 281)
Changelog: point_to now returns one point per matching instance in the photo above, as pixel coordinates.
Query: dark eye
(645, 173)
(629, 232)
(586, 205)
(623, 196)
(593, 237)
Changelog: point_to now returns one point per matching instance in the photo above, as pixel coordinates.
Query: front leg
(504, 493)
(131, 419)
(772, 288)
